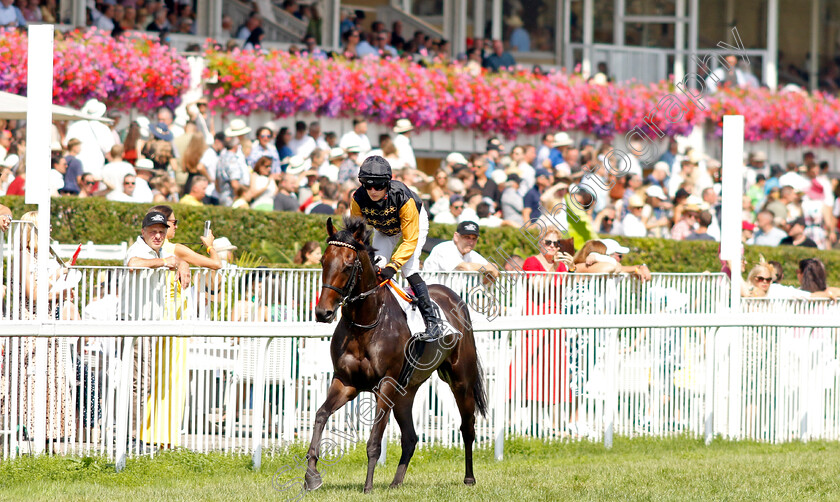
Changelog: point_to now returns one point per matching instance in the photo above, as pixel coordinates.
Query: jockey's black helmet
(375, 168)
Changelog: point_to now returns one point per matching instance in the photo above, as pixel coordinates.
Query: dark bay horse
(368, 349)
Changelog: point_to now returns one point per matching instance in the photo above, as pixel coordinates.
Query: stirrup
(432, 333)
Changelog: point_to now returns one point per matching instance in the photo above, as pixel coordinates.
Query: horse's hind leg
(337, 396)
(462, 388)
(408, 436)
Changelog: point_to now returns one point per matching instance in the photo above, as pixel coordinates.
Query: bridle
(345, 292)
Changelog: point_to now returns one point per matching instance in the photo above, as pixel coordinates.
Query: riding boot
(434, 324)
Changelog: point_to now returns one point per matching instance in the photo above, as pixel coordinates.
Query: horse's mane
(353, 224)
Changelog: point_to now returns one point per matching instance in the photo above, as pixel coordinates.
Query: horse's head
(341, 266)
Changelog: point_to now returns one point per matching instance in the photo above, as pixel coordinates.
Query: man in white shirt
(10, 15)
(145, 290)
(302, 144)
(142, 191)
(402, 142)
(210, 159)
(115, 171)
(96, 137)
(794, 179)
(315, 133)
(544, 150)
(358, 136)
(733, 76)
(766, 234)
(631, 224)
(455, 213)
(124, 195)
(459, 253)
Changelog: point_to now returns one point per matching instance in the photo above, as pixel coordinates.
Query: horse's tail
(479, 394)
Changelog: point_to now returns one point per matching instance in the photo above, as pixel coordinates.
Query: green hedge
(277, 236)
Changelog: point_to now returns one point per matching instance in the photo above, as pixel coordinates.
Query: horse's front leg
(337, 396)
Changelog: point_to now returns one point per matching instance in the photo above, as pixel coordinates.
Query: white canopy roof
(13, 106)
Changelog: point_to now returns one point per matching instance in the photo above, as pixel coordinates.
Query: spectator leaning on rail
(145, 301)
(597, 263)
(459, 253)
(394, 211)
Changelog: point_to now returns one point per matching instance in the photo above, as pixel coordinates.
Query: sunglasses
(125, 183)
(375, 185)
(174, 222)
(764, 279)
(460, 206)
(265, 136)
(552, 243)
(610, 220)
(92, 182)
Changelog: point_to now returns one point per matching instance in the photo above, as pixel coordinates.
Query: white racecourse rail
(235, 362)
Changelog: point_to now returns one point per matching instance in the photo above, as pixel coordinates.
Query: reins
(346, 299)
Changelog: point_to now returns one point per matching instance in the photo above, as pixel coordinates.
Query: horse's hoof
(313, 483)
(368, 489)
(469, 481)
(395, 485)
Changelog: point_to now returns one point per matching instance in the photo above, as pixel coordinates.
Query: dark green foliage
(278, 236)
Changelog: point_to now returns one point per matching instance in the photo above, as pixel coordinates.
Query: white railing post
(805, 393)
(611, 386)
(259, 397)
(124, 389)
(499, 411)
(709, 404)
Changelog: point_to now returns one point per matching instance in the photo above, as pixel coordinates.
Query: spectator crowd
(299, 167)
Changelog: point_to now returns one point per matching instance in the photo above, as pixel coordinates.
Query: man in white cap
(402, 141)
(331, 170)
(96, 137)
(562, 142)
(349, 168)
(145, 171)
(454, 161)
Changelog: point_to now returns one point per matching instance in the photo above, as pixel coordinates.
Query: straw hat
(337, 153)
(94, 109)
(298, 164)
(562, 139)
(238, 127)
(515, 22)
(403, 125)
(456, 158)
(223, 244)
(144, 164)
(636, 201)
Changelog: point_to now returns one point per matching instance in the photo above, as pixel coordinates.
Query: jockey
(394, 211)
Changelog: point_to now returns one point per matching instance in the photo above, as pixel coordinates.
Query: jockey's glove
(387, 273)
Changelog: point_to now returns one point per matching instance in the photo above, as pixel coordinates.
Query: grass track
(639, 469)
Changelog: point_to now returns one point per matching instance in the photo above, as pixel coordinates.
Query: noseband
(344, 292)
